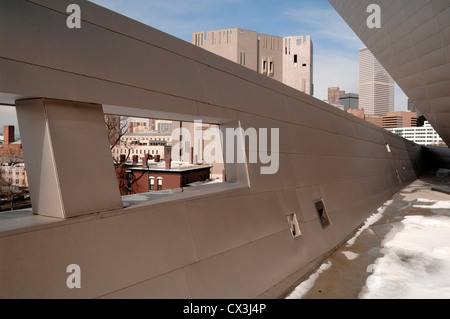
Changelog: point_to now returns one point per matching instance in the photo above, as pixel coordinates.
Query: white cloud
(326, 24)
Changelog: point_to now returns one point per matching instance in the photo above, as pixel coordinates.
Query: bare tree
(116, 126)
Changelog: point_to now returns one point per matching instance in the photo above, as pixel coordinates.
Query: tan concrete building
(288, 60)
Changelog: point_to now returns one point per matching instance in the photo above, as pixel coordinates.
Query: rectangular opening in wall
(398, 176)
(304, 64)
(295, 58)
(321, 211)
(299, 41)
(293, 225)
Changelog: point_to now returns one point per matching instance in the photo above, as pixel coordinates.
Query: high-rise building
(412, 107)
(376, 87)
(350, 101)
(288, 60)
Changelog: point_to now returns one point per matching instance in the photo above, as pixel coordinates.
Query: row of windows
(4, 171)
(146, 139)
(159, 183)
(125, 151)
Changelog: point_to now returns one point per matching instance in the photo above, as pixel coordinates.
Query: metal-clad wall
(231, 244)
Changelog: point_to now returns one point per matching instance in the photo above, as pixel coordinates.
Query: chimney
(168, 163)
(8, 134)
(135, 159)
(168, 156)
(157, 158)
(145, 161)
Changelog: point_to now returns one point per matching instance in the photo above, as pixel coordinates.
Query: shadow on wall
(436, 157)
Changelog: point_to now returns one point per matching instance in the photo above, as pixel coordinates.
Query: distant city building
(142, 143)
(288, 60)
(413, 108)
(374, 119)
(138, 126)
(11, 148)
(333, 95)
(425, 135)
(350, 101)
(420, 118)
(376, 87)
(163, 126)
(390, 120)
(357, 112)
(14, 175)
(400, 119)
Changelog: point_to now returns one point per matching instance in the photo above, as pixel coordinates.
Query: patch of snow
(369, 222)
(350, 255)
(302, 289)
(416, 261)
(434, 204)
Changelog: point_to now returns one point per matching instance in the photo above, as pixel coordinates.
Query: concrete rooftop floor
(344, 278)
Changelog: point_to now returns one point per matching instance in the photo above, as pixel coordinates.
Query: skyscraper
(376, 87)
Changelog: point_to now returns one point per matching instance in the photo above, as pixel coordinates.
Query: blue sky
(335, 44)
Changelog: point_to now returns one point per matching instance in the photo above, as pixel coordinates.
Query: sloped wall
(233, 243)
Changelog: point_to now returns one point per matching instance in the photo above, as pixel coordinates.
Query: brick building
(11, 149)
(153, 175)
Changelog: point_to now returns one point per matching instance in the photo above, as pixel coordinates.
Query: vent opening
(293, 225)
(388, 147)
(323, 216)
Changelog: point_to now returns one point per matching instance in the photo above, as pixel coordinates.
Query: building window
(295, 58)
(152, 183)
(160, 183)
